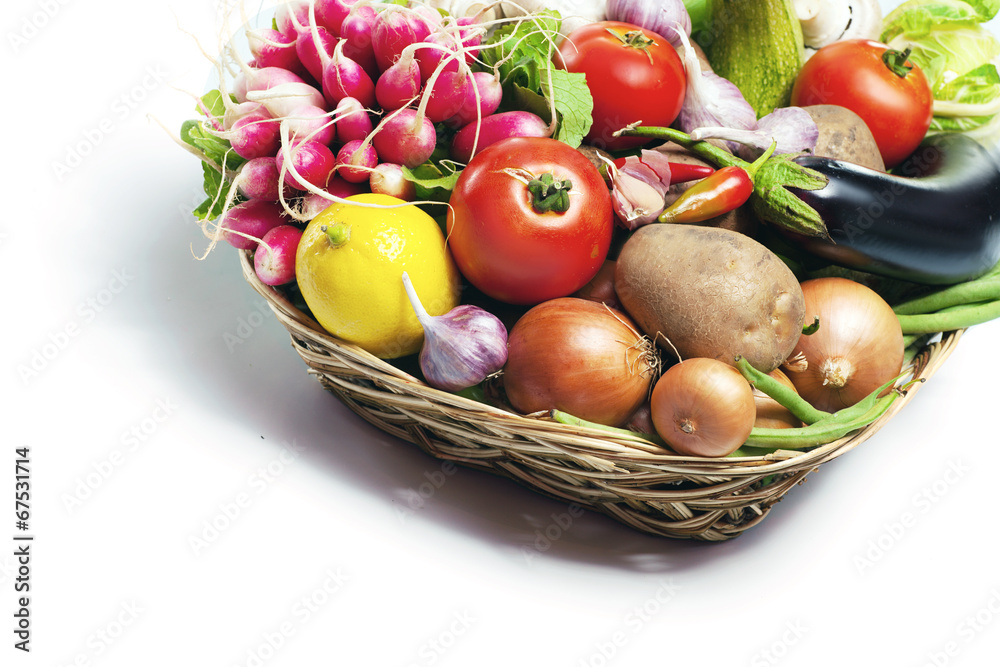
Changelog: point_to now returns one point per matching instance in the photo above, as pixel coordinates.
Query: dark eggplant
(935, 220)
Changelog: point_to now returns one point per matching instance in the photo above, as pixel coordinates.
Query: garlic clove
(462, 347)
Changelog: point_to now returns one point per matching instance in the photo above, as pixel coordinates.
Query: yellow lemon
(349, 267)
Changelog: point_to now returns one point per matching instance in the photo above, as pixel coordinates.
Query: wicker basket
(627, 478)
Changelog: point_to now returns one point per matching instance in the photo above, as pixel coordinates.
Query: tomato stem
(548, 194)
(896, 61)
(635, 39)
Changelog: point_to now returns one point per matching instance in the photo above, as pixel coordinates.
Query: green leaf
(433, 183)
(525, 99)
(217, 188)
(214, 148)
(979, 86)
(212, 104)
(520, 50)
(574, 104)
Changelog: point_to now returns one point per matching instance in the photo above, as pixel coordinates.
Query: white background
(887, 556)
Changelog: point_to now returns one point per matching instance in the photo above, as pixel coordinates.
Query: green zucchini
(757, 45)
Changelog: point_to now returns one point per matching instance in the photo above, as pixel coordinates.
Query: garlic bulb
(462, 347)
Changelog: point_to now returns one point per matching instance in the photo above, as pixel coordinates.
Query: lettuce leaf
(956, 54)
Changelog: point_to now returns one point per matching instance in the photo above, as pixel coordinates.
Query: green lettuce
(957, 54)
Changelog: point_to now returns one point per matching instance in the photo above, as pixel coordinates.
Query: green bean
(950, 319)
(830, 428)
(956, 295)
(570, 420)
(786, 397)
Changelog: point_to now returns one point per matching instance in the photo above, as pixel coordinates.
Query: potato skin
(844, 136)
(711, 293)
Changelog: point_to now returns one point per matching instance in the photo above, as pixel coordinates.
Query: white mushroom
(828, 21)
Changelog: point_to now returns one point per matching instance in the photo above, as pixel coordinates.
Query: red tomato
(633, 75)
(897, 107)
(510, 250)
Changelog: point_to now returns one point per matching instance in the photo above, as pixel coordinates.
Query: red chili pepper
(681, 172)
(726, 189)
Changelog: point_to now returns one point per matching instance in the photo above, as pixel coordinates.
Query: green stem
(755, 165)
(896, 61)
(950, 319)
(956, 295)
(549, 194)
(338, 233)
(786, 397)
(710, 152)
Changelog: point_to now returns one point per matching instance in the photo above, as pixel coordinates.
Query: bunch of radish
(339, 97)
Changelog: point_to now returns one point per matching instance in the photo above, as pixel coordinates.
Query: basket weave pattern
(629, 479)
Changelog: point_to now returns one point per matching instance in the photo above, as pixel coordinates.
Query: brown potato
(843, 135)
(708, 292)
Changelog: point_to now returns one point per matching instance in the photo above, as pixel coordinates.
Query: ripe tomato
(896, 104)
(633, 75)
(511, 250)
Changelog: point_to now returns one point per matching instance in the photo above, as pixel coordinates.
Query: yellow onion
(857, 348)
(580, 357)
(703, 407)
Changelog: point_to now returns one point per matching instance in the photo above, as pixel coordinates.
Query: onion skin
(703, 407)
(770, 413)
(579, 357)
(858, 347)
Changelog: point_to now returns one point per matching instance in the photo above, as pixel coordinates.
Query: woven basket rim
(589, 443)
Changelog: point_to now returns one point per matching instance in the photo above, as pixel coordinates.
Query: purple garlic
(462, 347)
(663, 17)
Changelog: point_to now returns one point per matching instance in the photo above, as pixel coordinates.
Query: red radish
(471, 35)
(437, 48)
(447, 95)
(405, 138)
(387, 179)
(306, 164)
(357, 30)
(254, 135)
(396, 28)
(274, 258)
(490, 94)
(283, 99)
(263, 78)
(315, 203)
(311, 122)
(355, 160)
(236, 111)
(353, 121)
(291, 16)
(494, 128)
(270, 48)
(259, 178)
(343, 77)
(243, 225)
(314, 46)
(331, 14)
(399, 84)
